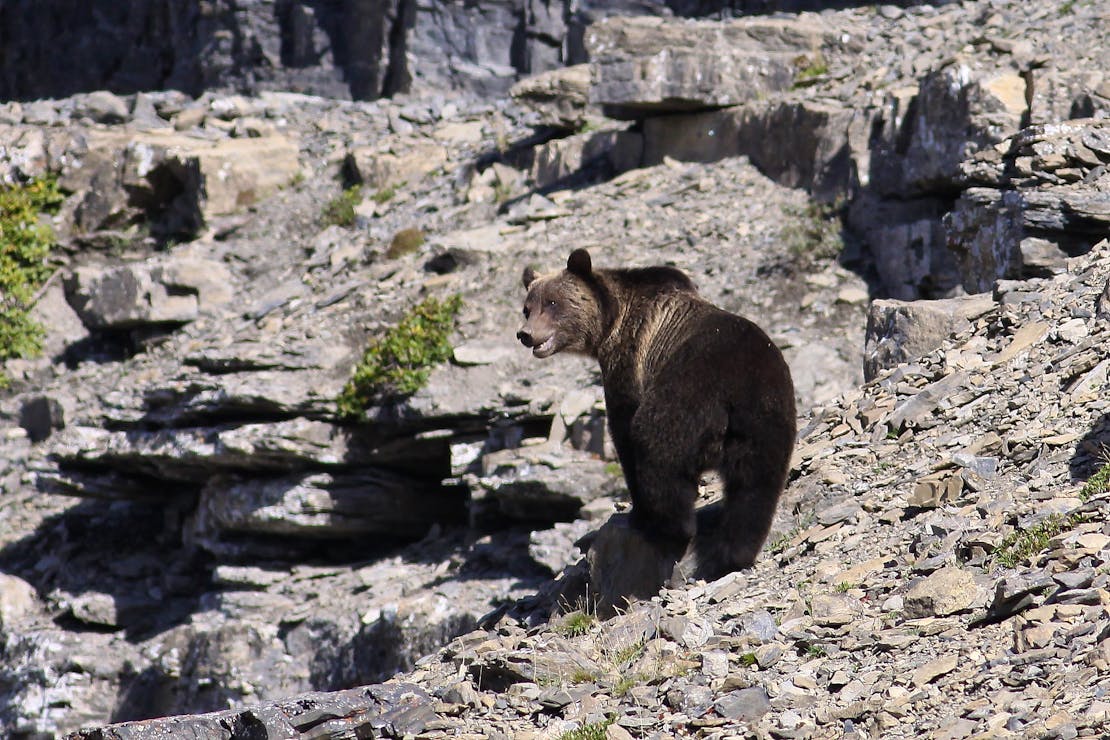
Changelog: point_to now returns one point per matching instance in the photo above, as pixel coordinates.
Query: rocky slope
(239, 541)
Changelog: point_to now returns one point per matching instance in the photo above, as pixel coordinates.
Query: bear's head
(561, 311)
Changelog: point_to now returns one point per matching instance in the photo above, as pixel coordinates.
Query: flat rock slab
(381, 710)
(653, 64)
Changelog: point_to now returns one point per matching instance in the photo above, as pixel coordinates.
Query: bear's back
(650, 280)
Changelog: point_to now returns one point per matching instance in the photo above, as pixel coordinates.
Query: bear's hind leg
(753, 482)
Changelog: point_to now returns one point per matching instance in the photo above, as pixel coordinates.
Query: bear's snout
(524, 337)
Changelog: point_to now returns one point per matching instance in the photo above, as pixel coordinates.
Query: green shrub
(1097, 483)
(1025, 543)
(25, 245)
(398, 363)
(340, 210)
(405, 242)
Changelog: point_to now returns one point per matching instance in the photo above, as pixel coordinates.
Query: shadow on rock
(1092, 451)
(623, 565)
(111, 566)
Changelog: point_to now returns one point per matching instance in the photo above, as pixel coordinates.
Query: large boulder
(158, 291)
(390, 166)
(560, 97)
(902, 331)
(646, 64)
(325, 505)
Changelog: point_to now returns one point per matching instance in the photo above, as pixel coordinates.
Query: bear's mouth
(545, 348)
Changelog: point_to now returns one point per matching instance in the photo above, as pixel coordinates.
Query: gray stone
(833, 610)
(65, 327)
(17, 599)
(324, 505)
(560, 97)
(158, 291)
(102, 107)
(946, 591)
(955, 112)
(583, 155)
(908, 244)
(379, 168)
(745, 705)
(183, 181)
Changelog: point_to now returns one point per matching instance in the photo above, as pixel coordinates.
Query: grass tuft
(397, 364)
(576, 624)
(340, 210)
(595, 731)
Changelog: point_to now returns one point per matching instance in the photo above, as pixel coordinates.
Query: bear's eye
(551, 304)
(526, 312)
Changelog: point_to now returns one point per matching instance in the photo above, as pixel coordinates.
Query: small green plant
(780, 543)
(1025, 543)
(340, 210)
(748, 660)
(385, 194)
(1097, 483)
(816, 651)
(812, 233)
(614, 469)
(25, 245)
(405, 242)
(628, 653)
(502, 191)
(397, 364)
(844, 587)
(1067, 7)
(624, 685)
(588, 125)
(595, 731)
(582, 675)
(809, 70)
(576, 624)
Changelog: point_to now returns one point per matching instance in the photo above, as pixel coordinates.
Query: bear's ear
(579, 263)
(529, 276)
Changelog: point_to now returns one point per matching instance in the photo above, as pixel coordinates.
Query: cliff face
(359, 49)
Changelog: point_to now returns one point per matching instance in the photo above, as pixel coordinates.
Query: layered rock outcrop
(191, 525)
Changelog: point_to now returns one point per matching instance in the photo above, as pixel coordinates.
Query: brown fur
(688, 388)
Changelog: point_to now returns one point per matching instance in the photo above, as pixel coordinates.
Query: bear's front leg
(620, 410)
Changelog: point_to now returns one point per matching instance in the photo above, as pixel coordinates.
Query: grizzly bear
(689, 388)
